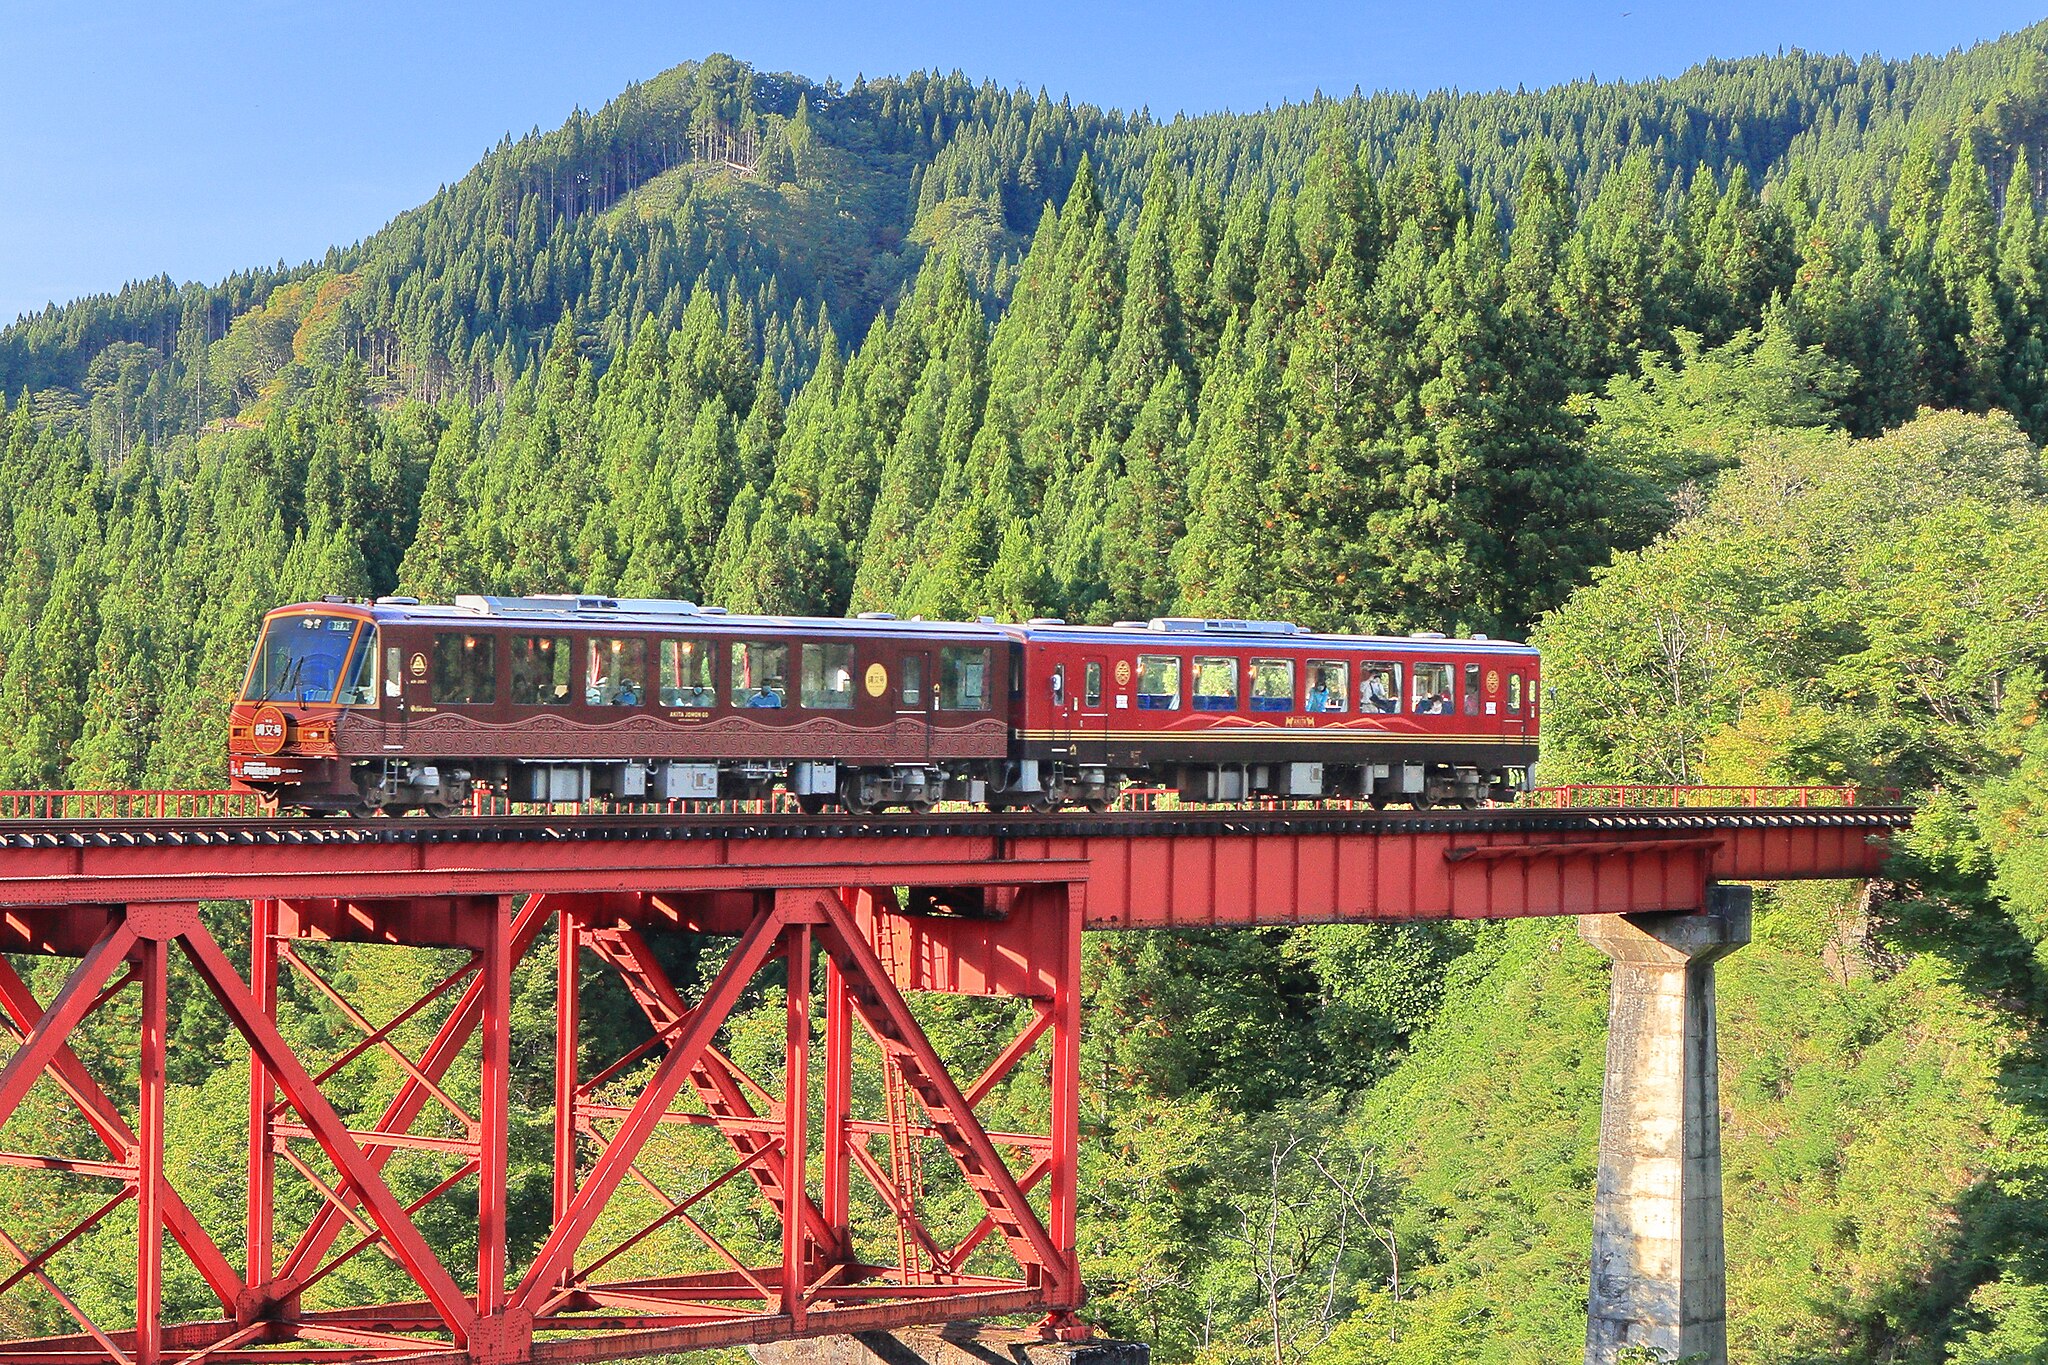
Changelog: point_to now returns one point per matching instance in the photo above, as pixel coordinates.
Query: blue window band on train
(1273, 685)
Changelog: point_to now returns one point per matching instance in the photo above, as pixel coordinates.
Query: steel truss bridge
(832, 1145)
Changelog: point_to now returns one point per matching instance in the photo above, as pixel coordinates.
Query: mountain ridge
(1774, 115)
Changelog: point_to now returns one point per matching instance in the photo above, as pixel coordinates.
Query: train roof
(646, 613)
(643, 612)
(1183, 631)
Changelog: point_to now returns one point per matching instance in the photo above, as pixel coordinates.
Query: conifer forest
(1728, 390)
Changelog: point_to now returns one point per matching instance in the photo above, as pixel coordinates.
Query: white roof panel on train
(1166, 632)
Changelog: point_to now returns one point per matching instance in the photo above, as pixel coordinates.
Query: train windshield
(314, 658)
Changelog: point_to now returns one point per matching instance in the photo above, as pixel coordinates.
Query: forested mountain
(1729, 386)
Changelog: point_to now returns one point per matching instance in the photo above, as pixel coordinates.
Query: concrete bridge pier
(1659, 1276)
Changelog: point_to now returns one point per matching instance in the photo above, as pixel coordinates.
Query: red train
(398, 705)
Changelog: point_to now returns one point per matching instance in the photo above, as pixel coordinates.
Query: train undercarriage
(447, 787)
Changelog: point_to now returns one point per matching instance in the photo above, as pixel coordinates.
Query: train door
(1062, 700)
(1088, 711)
(1519, 701)
(917, 694)
(405, 670)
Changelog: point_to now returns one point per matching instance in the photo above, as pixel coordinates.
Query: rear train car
(1224, 710)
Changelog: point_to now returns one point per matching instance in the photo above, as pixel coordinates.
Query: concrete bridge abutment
(1659, 1272)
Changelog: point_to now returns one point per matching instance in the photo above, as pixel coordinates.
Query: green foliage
(1861, 610)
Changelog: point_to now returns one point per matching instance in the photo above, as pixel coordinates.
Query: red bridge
(968, 905)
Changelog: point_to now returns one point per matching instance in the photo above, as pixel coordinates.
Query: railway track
(290, 831)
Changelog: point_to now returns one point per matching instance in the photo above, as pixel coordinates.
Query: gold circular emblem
(1492, 682)
(877, 680)
(417, 665)
(268, 730)
(1123, 672)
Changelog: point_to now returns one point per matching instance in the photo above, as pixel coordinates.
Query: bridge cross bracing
(656, 1147)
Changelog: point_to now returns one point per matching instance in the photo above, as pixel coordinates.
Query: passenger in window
(764, 699)
(1433, 689)
(1328, 689)
(686, 667)
(1378, 696)
(613, 672)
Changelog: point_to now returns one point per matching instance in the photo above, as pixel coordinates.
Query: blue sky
(198, 138)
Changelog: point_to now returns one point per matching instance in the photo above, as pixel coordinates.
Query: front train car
(400, 706)
(313, 663)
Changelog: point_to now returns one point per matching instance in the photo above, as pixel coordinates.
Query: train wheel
(1098, 805)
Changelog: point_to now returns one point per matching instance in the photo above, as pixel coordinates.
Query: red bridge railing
(189, 804)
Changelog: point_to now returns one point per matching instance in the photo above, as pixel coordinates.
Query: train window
(1158, 682)
(361, 687)
(1471, 689)
(1329, 685)
(392, 677)
(465, 670)
(541, 666)
(963, 678)
(1091, 684)
(301, 658)
(760, 676)
(1433, 689)
(1215, 684)
(1059, 685)
(1514, 694)
(686, 672)
(1272, 684)
(1382, 688)
(913, 680)
(614, 672)
(828, 677)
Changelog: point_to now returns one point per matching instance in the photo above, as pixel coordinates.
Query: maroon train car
(397, 705)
